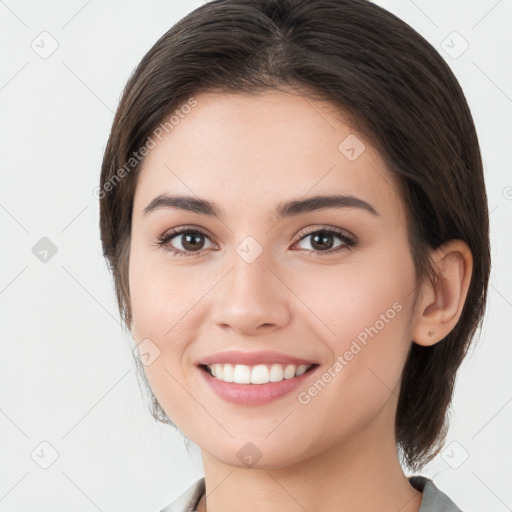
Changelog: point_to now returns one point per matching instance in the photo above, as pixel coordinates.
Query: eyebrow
(284, 209)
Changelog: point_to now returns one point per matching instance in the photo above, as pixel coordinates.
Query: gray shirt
(433, 500)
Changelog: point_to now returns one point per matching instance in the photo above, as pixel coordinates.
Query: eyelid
(322, 227)
(185, 229)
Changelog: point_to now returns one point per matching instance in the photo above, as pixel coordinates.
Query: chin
(258, 453)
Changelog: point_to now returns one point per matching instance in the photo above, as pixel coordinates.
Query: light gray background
(66, 373)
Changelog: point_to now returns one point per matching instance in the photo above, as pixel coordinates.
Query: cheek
(364, 316)
(168, 308)
(359, 300)
(160, 295)
(163, 313)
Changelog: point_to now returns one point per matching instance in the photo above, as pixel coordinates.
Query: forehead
(240, 150)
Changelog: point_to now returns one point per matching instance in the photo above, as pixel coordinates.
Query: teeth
(258, 374)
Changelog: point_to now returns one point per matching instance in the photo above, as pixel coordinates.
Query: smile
(258, 374)
(254, 385)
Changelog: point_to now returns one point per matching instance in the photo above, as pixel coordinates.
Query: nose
(251, 299)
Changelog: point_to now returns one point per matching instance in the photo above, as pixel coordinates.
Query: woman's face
(332, 286)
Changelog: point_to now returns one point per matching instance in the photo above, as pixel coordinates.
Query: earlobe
(440, 306)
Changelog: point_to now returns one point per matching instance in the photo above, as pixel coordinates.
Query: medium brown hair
(395, 89)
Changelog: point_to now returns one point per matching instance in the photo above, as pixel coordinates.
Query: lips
(253, 394)
(253, 358)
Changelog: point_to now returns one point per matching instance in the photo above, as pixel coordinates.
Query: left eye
(322, 241)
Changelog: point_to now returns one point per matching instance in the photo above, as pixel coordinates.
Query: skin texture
(247, 154)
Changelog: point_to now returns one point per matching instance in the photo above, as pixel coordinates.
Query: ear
(438, 308)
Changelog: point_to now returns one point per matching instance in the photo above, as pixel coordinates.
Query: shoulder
(434, 500)
(189, 499)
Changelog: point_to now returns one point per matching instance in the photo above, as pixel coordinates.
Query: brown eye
(184, 241)
(191, 241)
(323, 241)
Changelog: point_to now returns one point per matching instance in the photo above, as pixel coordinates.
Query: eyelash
(163, 241)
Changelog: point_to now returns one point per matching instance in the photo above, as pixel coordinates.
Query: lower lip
(254, 394)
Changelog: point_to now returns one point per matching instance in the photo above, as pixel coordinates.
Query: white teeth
(289, 371)
(258, 374)
(301, 369)
(242, 374)
(227, 371)
(276, 373)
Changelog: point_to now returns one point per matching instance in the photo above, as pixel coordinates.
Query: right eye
(191, 241)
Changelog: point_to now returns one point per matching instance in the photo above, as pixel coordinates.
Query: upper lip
(252, 358)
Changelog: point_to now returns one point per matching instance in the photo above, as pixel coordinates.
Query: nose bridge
(250, 275)
(251, 295)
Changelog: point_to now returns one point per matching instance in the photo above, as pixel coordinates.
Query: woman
(293, 207)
